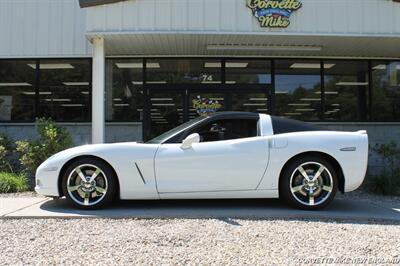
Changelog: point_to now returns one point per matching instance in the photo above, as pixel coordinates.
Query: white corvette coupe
(224, 155)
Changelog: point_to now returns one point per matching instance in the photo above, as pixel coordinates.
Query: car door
(220, 162)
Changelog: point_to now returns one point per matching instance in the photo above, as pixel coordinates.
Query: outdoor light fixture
(328, 92)
(15, 84)
(161, 99)
(163, 104)
(240, 47)
(258, 99)
(305, 110)
(57, 100)
(292, 114)
(52, 66)
(310, 99)
(137, 65)
(157, 82)
(34, 93)
(72, 105)
(379, 67)
(299, 104)
(345, 83)
(311, 65)
(212, 65)
(78, 83)
(254, 104)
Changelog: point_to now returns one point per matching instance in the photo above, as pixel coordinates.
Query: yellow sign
(205, 106)
(273, 13)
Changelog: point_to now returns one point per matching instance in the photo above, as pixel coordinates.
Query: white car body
(238, 168)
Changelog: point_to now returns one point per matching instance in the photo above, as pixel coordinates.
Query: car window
(227, 129)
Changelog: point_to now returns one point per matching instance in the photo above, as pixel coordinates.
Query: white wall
(42, 28)
(316, 17)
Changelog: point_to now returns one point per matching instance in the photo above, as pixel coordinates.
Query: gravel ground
(195, 242)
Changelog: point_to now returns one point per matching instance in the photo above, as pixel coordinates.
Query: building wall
(42, 28)
(316, 17)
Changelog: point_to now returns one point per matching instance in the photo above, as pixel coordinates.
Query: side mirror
(189, 140)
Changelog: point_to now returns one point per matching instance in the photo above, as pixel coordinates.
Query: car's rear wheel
(89, 184)
(309, 183)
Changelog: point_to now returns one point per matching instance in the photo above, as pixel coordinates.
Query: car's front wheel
(309, 183)
(89, 183)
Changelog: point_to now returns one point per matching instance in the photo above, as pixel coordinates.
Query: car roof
(234, 114)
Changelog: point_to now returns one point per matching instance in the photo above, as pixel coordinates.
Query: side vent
(140, 173)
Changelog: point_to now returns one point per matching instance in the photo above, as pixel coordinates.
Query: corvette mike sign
(273, 13)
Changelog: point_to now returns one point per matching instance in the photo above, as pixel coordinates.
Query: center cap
(87, 185)
(311, 184)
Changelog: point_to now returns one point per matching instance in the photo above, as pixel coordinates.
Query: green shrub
(10, 182)
(8, 160)
(388, 181)
(52, 139)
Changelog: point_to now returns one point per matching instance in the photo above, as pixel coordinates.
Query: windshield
(163, 137)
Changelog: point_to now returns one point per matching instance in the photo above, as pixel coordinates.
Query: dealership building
(112, 70)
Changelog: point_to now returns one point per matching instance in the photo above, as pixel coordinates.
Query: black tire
(106, 179)
(298, 199)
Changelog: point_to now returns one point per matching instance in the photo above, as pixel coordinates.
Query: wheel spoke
(73, 188)
(100, 190)
(311, 198)
(319, 172)
(81, 175)
(303, 173)
(95, 174)
(296, 189)
(86, 199)
(327, 188)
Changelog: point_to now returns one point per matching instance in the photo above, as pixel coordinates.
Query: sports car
(221, 155)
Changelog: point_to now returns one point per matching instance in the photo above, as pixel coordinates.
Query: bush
(388, 181)
(8, 158)
(52, 139)
(10, 182)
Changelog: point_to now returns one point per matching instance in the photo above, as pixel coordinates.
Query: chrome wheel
(311, 183)
(87, 184)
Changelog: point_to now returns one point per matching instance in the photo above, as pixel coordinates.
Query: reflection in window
(386, 91)
(249, 102)
(65, 87)
(346, 85)
(124, 90)
(248, 72)
(17, 90)
(164, 71)
(298, 89)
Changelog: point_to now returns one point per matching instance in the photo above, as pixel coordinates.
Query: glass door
(165, 111)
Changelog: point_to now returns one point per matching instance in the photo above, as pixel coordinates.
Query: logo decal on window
(205, 106)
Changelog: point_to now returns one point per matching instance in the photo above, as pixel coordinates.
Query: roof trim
(89, 3)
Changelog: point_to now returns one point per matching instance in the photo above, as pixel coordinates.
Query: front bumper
(46, 179)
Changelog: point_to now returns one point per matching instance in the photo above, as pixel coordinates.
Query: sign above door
(273, 13)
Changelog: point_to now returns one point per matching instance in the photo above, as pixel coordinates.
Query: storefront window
(386, 91)
(248, 72)
(298, 89)
(17, 90)
(64, 89)
(124, 90)
(163, 71)
(346, 88)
